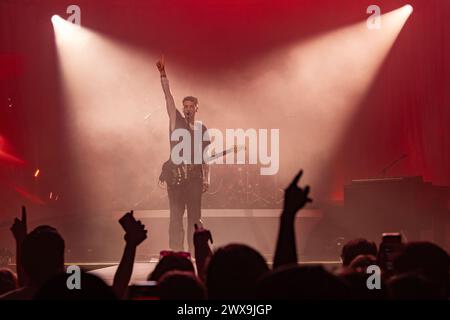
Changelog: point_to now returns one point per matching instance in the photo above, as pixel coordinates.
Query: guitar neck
(220, 154)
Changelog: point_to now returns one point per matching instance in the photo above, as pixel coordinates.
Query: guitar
(175, 175)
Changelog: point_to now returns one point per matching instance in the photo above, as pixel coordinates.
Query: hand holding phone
(390, 247)
(128, 222)
(201, 235)
(135, 231)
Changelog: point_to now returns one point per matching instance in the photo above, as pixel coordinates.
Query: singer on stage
(187, 192)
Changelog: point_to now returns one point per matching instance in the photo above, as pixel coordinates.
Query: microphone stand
(392, 164)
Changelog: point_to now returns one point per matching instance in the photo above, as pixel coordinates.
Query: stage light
(55, 18)
(408, 9)
(100, 74)
(327, 76)
(36, 173)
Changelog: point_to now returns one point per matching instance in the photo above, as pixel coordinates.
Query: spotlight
(408, 8)
(55, 18)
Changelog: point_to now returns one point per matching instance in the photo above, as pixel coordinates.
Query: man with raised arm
(185, 183)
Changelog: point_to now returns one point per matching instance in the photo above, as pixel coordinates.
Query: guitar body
(172, 174)
(176, 175)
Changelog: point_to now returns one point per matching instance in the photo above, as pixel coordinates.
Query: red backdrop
(407, 110)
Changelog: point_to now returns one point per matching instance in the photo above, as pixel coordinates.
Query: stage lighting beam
(408, 8)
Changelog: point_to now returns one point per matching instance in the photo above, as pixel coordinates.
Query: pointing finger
(24, 214)
(296, 179)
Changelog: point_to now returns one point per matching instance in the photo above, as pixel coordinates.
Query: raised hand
(19, 231)
(161, 65)
(136, 234)
(19, 227)
(202, 251)
(201, 236)
(295, 197)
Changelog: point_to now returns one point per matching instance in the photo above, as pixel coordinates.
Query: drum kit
(233, 186)
(242, 186)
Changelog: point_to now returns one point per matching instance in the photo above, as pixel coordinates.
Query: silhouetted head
(181, 285)
(357, 284)
(190, 107)
(91, 288)
(169, 263)
(412, 286)
(8, 281)
(233, 271)
(361, 262)
(42, 254)
(427, 259)
(301, 282)
(356, 247)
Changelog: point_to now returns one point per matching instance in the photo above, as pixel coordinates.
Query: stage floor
(141, 270)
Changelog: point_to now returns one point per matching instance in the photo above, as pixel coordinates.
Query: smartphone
(143, 290)
(128, 222)
(391, 246)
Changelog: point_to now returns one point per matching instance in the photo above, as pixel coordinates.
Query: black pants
(186, 196)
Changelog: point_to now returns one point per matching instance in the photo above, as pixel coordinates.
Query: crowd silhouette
(419, 270)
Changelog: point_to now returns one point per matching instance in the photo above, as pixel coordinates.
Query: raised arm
(133, 238)
(19, 230)
(295, 198)
(202, 250)
(170, 102)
